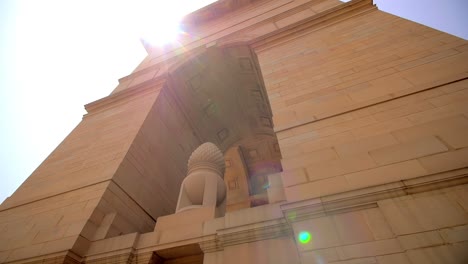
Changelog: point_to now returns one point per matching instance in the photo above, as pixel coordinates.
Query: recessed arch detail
(215, 96)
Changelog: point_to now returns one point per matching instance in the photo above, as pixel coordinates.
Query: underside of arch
(216, 96)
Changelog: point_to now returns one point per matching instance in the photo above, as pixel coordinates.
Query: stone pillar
(204, 185)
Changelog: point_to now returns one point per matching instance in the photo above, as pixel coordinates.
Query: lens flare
(292, 215)
(304, 237)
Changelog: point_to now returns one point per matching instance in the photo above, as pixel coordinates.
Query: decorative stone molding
(247, 233)
(368, 197)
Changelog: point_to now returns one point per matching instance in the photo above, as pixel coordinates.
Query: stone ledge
(126, 95)
(368, 197)
(246, 234)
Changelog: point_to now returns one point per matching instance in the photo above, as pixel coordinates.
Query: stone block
(377, 224)
(308, 159)
(438, 211)
(440, 69)
(323, 233)
(4, 255)
(456, 139)
(183, 232)
(399, 216)
(368, 260)
(50, 234)
(426, 59)
(212, 226)
(369, 249)
(284, 118)
(408, 150)
(341, 166)
(419, 240)
(270, 251)
(383, 127)
(324, 5)
(455, 234)
(143, 77)
(455, 86)
(324, 105)
(252, 215)
(276, 194)
(59, 245)
(406, 102)
(340, 127)
(446, 254)
(81, 246)
(213, 257)
(25, 252)
(432, 128)
(294, 18)
(112, 244)
(46, 220)
(325, 142)
(352, 228)
(365, 145)
(147, 239)
(380, 87)
(408, 216)
(274, 180)
(400, 258)
(385, 174)
(446, 111)
(195, 215)
(403, 111)
(460, 95)
(18, 242)
(84, 228)
(316, 189)
(293, 177)
(445, 161)
(319, 256)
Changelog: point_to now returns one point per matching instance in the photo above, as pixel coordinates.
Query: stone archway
(216, 95)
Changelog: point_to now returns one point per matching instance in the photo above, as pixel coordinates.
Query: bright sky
(58, 55)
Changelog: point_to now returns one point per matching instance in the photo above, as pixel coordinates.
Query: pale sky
(58, 55)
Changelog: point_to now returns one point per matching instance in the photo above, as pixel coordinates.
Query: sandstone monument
(321, 132)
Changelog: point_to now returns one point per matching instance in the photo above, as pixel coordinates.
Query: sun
(159, 21)
(162, 34)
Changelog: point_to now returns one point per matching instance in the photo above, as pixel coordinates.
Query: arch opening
(222, 93)
(214, 96)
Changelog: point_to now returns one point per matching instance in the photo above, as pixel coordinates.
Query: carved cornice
(247, 233)
(368, 197)
(67, 257)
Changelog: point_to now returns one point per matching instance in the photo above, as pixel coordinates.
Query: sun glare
(162, 34)
(159, 24)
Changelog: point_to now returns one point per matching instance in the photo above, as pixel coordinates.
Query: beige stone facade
(334, 118)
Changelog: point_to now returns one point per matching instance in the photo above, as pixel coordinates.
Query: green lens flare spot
(304, 237)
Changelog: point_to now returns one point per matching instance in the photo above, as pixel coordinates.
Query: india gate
(289, 131)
